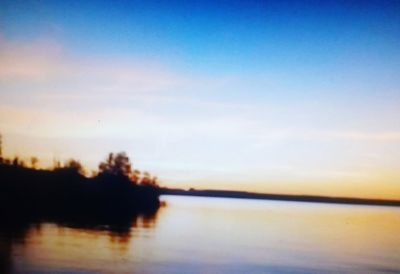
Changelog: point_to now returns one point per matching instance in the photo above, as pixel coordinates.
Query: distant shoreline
(278, 197)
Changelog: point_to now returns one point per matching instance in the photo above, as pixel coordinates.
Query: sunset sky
(266, 96)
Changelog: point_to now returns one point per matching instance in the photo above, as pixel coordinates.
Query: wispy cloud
(33, 61)
(63, 94)
(289, 134)
(46, 62)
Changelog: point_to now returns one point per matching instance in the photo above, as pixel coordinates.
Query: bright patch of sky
(271, 96)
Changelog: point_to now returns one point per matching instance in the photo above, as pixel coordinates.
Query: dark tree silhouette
(56, 164)
(116, 164)
(64, 192)
(135, 177)
(17, 162)
(148, 180)
(34, 161)
(75, 166)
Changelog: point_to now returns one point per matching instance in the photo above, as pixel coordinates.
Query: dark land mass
(110, 201)
(278, 197)
(113, 200)
(64, 195)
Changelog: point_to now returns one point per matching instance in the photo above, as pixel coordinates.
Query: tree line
(115, 164)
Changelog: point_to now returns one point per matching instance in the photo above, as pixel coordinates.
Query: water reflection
(68, 239)
(211, 235)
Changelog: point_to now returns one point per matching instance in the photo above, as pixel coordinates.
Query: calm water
(216, 235)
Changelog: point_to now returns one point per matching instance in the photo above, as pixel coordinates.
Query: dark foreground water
(215, 235)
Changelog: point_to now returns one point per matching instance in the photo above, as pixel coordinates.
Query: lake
(215, 235)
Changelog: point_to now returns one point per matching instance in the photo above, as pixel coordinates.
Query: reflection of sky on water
(213, 235)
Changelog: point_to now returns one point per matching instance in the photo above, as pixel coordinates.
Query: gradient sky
(268, 96)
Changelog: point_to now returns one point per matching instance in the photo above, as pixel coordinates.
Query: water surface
(215, 235)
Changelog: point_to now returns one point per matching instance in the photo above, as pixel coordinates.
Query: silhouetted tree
(18, 162)
(15, 162)
(116, 164)
(56, 164)
(74, 165)
(148, 180)
(34, 161)
(154, 181)
(135, 178)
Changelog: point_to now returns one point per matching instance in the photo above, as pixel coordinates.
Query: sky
(298, 97)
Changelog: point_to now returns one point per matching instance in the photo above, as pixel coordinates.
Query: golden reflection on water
(200, 235)
(284, 232)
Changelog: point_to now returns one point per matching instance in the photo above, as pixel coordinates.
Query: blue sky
(278, 96)
(230, 34)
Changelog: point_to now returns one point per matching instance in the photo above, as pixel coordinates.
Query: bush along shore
(64, 193)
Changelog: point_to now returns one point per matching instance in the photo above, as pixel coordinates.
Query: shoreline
(279, 197)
